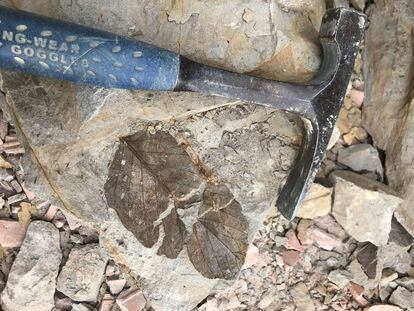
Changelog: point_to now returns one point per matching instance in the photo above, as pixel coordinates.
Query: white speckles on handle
(19, 60)
(68, 70)
(116, 49)
(137, 54)
(46, 33)
(139, 69)
(44, 65)
(118, 64)
(112, 77)
(71, 38)
(94, 44)
(133, 80)
(97, 60)
(21, 27)
(91, 73)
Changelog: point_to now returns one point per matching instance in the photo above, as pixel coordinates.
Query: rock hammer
(57, 49)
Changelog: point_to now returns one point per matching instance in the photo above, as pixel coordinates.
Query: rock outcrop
(388, 107)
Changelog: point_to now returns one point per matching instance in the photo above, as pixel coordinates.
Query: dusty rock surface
(99, 162)
(32, 279)
(82, 275)
(317, 203)
(389, 97)
(103, 173)
(365, 214)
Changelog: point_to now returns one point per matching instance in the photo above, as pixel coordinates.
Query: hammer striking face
(56, 49)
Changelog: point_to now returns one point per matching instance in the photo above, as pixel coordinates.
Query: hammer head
(317, 103)
(340, 35)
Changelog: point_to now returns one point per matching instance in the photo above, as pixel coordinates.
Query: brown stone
(329, 224)
(293, 242)
(304, 232)
(357, 292)
(131, 300)
(301, 297)
(317, 203)
(290, 258)
(107, 303)
(325, 240)
(51, 212)
(12, 233)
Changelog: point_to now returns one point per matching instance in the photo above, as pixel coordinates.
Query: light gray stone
(365, 215)
(341, 278)
(82, 275)
(402, 297)
(80, 307)
(361, 158)
(406, 282)
(32, 279)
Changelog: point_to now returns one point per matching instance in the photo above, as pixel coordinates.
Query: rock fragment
(402, 297)
(341, 278)
(290, 258)
(12, 233)
(365, 215)
(361, 158)
(252, 256)
(302, 298)
(79, 307)
(32, 279)
(107, 303)
(357, 97)
(83, 273)
(325, 240)
(383, 308)
(132, 300)
(270, 301)
(116, 286)
(317, 203)
(293, 242)
(357, 293)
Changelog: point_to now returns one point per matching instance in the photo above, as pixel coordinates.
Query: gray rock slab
(402, 297)
(32, 279)
(361, 158)
(365, 215)
(82, 275)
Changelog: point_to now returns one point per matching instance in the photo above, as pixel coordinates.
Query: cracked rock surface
(176, 184)
(32, 279)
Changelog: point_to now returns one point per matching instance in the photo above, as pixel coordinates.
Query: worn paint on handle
(43, 46)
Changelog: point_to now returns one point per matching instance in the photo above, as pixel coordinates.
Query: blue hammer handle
(48, 47)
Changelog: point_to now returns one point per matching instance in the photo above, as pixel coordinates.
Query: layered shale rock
(176, 184)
